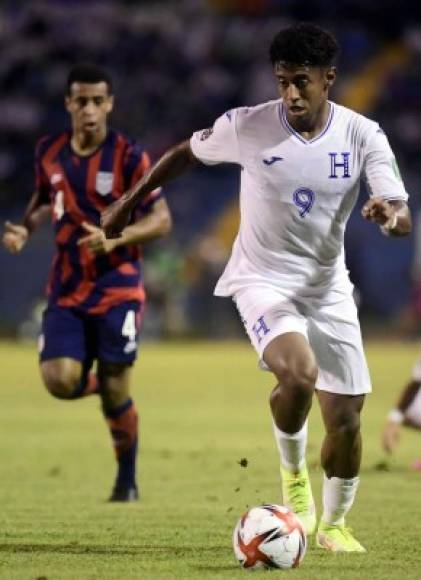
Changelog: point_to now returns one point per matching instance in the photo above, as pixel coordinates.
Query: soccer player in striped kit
(95, 289)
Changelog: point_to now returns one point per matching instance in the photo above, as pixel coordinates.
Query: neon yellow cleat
(297, 495)
(337, 538)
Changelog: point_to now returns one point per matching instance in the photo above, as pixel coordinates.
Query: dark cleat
(124, 494)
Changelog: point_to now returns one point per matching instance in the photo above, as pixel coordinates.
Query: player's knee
(60, 388)
(299, 378)
(113, 397)
(59, 384)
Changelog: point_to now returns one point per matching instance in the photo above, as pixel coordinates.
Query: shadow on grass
(80, 549)
(216, 568)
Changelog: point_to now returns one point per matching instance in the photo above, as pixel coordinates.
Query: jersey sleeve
(42, 183)
(136, 165)
(381, 170)
(218, 144)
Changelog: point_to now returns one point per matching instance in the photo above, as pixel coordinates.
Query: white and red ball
(269, 536)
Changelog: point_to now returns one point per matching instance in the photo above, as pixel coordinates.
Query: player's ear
(330, 77)
(67, 103)
(110, 104)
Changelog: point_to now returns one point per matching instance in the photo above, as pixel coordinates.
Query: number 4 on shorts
(129, 325)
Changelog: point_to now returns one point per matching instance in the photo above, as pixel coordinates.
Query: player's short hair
(304, 43)
(88, 73)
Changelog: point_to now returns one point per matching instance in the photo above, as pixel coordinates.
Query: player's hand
(95, 240)
(14, 237)
(115, 218)
(378, 210)
(390, 436)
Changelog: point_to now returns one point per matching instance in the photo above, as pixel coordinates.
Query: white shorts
(416, 371)
(331, 327)
(413, 412)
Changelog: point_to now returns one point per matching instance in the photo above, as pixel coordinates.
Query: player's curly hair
(304, 43)
(87, 72)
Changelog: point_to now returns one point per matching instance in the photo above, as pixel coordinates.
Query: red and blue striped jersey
(79, 188)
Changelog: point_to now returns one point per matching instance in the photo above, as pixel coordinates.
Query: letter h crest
(337, 164)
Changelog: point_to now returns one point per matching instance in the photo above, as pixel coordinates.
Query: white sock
(338, 497)
(292, 447)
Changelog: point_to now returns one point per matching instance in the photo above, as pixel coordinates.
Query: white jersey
(296, 195)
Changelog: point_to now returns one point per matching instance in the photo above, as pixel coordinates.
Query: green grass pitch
(203, 408)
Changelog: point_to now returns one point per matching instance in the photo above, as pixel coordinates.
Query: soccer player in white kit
(302, 158)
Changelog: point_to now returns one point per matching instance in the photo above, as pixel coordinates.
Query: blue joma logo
(272, 160)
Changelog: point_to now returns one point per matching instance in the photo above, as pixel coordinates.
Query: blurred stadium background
(177, 65)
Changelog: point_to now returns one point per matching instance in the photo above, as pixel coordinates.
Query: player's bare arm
(149, 227)
(172, 164)
(397, 417)
(16, 235)
(394, 217)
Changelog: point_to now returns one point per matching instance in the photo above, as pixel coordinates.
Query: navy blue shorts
(111, 337)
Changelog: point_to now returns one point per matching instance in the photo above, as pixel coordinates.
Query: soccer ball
(269, 536)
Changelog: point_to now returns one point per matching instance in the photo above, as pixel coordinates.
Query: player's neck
(310, 127)
(85, 144)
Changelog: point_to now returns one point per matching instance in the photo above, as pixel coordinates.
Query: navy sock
(123, 425)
